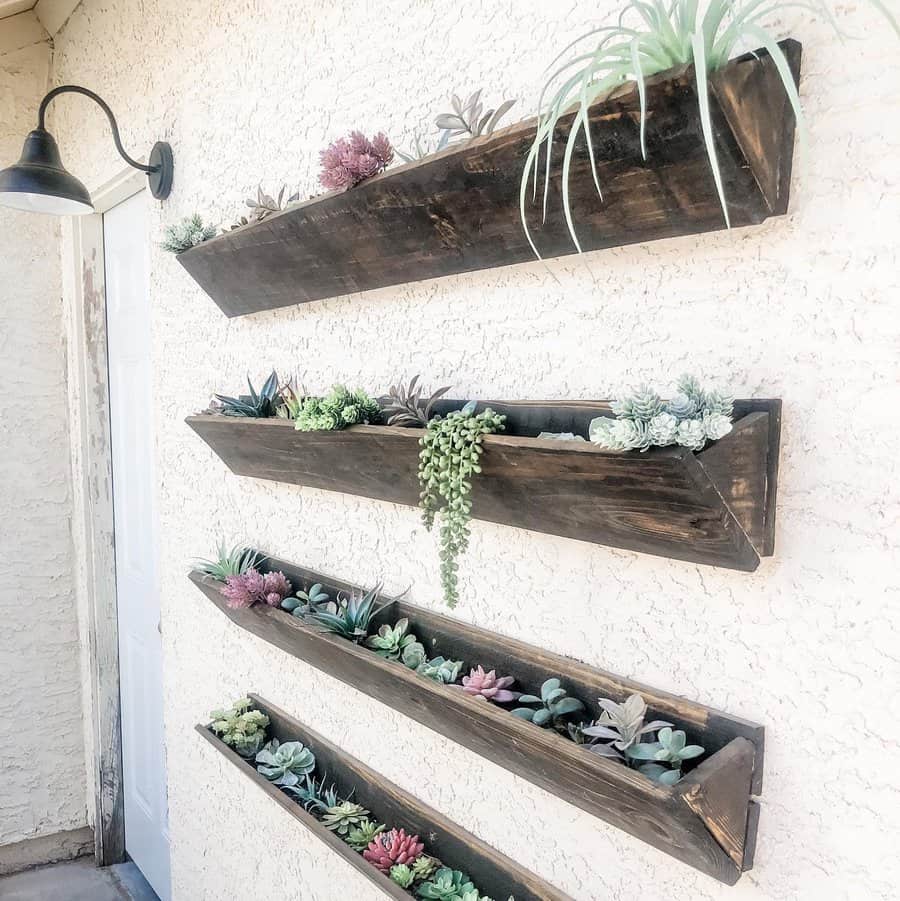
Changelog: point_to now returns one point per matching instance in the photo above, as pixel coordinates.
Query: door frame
(93, 523)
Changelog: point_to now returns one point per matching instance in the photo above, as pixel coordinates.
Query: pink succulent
(348, 161)
(394, 847)
(489, 686)
(252, 587)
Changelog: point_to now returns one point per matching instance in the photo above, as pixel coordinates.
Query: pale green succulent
(402, 875)
(339, 409)
(284, 763)
(361, 836)
(424, 867)
(414, 655)
(440, 670)
(643, 420)
(446, 885)
(182, 236)
(622, 725)
(306, 601)
(240, 727)
(342, 818)
(391, 641)
(670, 748)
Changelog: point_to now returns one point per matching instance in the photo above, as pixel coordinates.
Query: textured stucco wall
(801, 307)
(42, 787)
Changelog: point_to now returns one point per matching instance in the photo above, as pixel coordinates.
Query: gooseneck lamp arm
(39, 182)
(114, 127)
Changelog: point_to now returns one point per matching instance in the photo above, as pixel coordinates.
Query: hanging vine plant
(450, 456)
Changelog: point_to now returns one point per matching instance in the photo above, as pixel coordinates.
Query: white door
(126, 246)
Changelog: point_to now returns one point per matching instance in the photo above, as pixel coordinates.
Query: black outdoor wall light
(40, 183)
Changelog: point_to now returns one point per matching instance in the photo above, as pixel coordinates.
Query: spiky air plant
(471, 119)
(182, 236)
(263, 206)
(407, 406)
(652, 36)
(351, 615)
(233, 561)
(312, 794)
(258, 404)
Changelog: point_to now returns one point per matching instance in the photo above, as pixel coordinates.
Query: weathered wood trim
(494, 873)
(458, 210)
(667, 501)
(658, 815)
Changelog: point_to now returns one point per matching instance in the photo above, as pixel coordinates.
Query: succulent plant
(446, 885)
(283, 763)
(352, 615)
(339, 409)
(291, 400)
(402, 875)
(343, 817)
(253, 587)
(348, 161)
(256, 405)
(390, 848)
(622, 725)
(392, 641)
(188, 233)
(440, 670)
(263, 206)
(424, 867)
(643, 419)
(229, 562)
(450, 455)
(240, 727)
(313, 794)
(361, 836)
(470, 119)
(489, 686)
(419, 150)
(406, 406)
(670, 748)
(413, 655)
(550, 708)
(307, 601)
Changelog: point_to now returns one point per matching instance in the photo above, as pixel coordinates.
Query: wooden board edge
(753, 814)
(718, 791)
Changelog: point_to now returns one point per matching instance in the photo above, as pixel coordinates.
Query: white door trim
(93, 527)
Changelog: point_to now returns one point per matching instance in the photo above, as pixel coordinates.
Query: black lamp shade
(40, 183)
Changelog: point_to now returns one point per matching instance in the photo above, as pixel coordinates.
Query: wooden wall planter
(493, 872)
(708, 820)
(458, 211)
(715, 507)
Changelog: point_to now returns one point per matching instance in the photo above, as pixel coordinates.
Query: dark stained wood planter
(458, 211)
(715, 507)
(708, 820)
(491, 871)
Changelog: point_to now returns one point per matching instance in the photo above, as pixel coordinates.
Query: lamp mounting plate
(162, 162)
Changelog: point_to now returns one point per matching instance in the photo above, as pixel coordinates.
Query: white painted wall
(803, 308)
(42, 786)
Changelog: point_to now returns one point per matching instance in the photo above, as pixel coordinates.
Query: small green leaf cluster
(450, 455)
(440, 670)
(308, 601)
(551, 708)
(186, 234)
(339, 409)
(643, 419)
(240, 727)
(257, 404)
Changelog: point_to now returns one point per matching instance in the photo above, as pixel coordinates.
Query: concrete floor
(78, 880)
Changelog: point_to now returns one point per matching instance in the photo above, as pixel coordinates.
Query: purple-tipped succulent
(348, 161)
(489, 686)
(252, 587)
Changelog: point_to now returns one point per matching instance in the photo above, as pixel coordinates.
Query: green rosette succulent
(446, 885)
(424, 867)
(402, 875)
(450, 455)
(363, 834)
(343, 817)
(392, 641)
(285, 763)
(440, 670)
(550, 708)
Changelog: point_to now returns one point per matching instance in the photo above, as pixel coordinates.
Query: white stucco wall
(801, 307)
(42, 786)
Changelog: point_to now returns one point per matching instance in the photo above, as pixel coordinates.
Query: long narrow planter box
(493, 872)
(715, 507)
(708, 820)
(458, 210)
